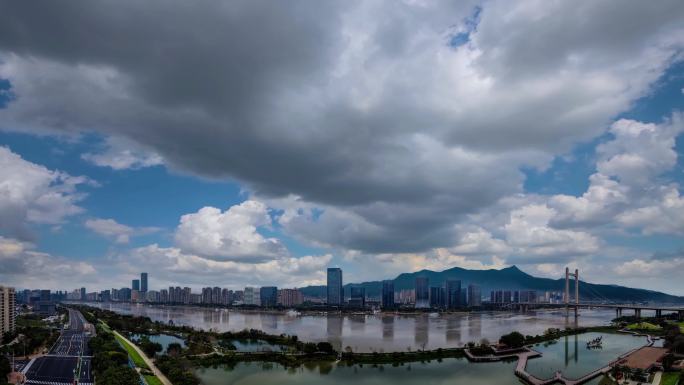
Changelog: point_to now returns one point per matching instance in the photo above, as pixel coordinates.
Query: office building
(422, 293)
(8, 303)
(83, 294)
(453, 294)
(143, 282)
(387, 294)
(474, 296)
(335, 288)
(507, 298)
(290, 297)
(251, 296)
(268, 296)
(437, 297)
(358, 297)
(135, 285)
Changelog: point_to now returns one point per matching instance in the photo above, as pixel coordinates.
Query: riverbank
(208, 349)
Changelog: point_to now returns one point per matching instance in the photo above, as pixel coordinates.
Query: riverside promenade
(527, 353)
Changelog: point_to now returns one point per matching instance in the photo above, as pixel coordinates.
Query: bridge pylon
(566, 298)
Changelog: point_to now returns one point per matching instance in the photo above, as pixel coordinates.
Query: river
(371, 332)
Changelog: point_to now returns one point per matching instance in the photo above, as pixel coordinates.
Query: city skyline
(399, 137)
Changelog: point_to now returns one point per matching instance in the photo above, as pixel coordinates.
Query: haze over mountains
(510, 278)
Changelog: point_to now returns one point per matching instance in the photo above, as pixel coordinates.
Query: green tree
(119, 375)
(513, 340)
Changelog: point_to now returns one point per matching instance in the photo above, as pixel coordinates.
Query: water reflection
(388, 332)
(421, 331)
(387, 327)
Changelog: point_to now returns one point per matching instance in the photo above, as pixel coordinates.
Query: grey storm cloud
(361, 108)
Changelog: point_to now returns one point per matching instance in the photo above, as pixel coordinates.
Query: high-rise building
(216, 295)
(474, 295)
(453, 293)
(422, 292)
(290, 297)
(8, 303)
(388, 294)
(251, 296)
(507, 296)
(164, 296)
(268, 296)
(135, 285)
(437, 299)
(335, 288)
(143, 282)
(358, 297)
(83, 294)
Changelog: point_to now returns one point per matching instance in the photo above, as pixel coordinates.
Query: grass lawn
(681, 326)
(137, 359)
(643, 326)
(152, 380)
(667, 379)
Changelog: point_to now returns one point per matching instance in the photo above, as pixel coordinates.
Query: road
(60, 365)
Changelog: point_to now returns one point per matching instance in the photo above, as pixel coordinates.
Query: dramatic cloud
(120, 154)
(22, 266)
(230, 235)
(371, 114)
(112, 229)
(30, 193)
(171, 266)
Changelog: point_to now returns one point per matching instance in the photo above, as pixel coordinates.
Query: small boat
(596, 343)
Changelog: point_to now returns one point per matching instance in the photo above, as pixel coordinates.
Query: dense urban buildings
(8, 300)
(452, 294)
(335, 289)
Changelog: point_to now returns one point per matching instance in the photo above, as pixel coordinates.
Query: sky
(257, 143)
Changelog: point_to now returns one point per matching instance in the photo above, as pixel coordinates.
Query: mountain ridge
(508, 278)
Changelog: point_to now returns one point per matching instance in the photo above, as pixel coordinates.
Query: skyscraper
(143, 282)
(8, 300)
(422, 293)
(358, 297)
(335, 289)
(252, 296)
(83, 294)
(453, 293)
(135, 285)
(437, 299)
(268, 296)
(388, 294)
(474, 295)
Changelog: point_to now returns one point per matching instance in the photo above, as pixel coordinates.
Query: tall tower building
(83, 294)
(474, 295)
(422, 293)
(143, 282)
(335, 289)
(8, 302)
(453, 294)
(135, 285)
(388, 294)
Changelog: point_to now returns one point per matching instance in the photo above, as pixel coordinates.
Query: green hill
(510, 278)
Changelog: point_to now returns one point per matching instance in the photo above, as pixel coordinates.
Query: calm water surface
(571, 356)
(163, 339)
(363, 333)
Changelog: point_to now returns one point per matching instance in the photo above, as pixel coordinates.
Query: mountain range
(510, 278)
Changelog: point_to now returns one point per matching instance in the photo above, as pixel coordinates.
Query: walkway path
(147, 360)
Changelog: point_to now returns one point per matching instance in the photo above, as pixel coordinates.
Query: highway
(60, 365)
